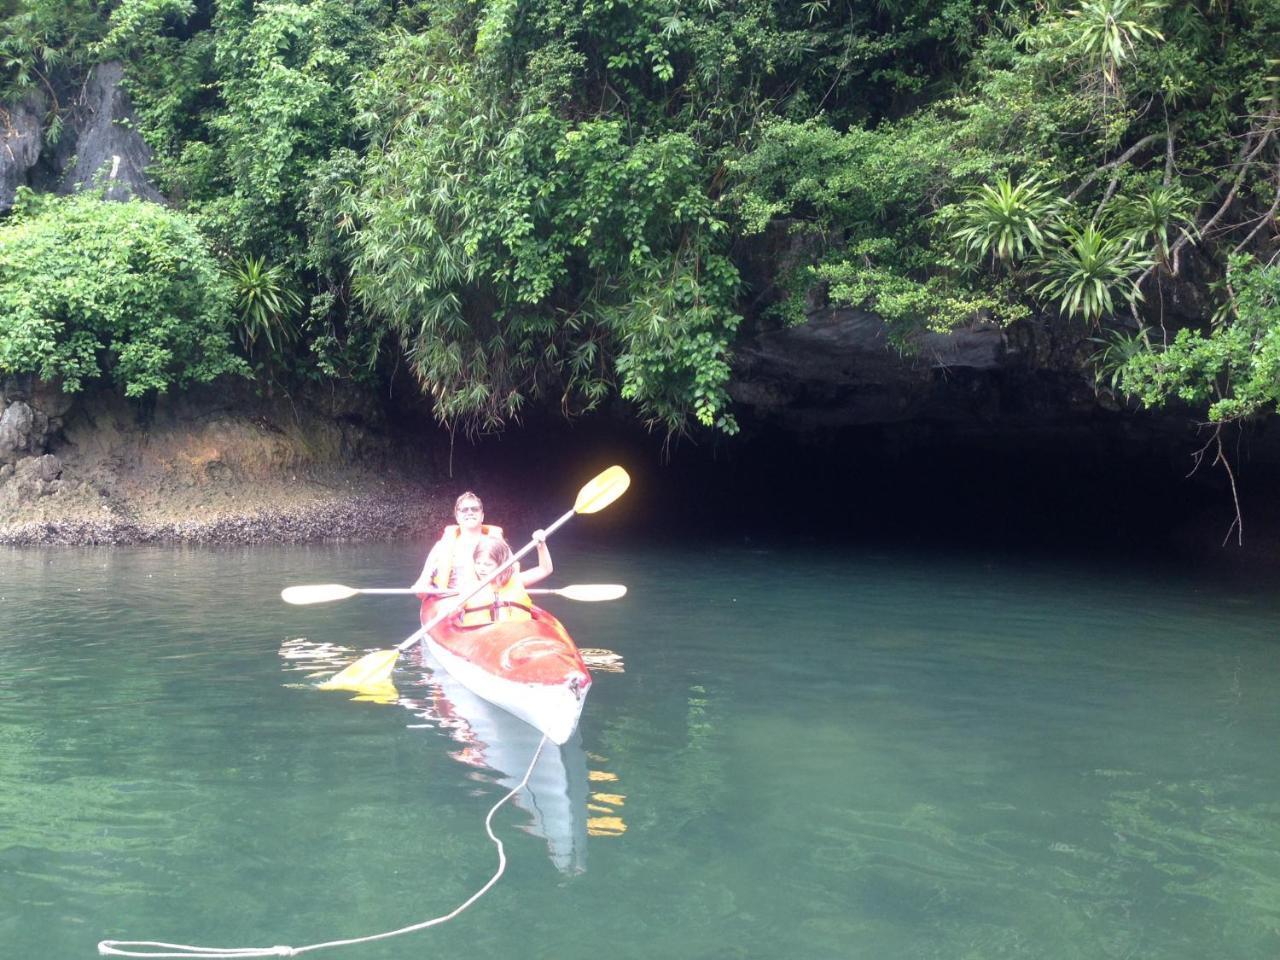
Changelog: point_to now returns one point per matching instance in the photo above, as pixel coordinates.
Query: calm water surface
(810, 754)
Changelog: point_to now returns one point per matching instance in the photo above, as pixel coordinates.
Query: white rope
(153, 948)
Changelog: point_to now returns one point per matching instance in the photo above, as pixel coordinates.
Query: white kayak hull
(553, 709)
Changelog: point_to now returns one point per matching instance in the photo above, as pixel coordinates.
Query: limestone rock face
(840, 369)
(31, 478)
(109, 151)
(52, 401)
(21, 139)
(99, 145)
(32, 414)
(46, 468)
(16, 425)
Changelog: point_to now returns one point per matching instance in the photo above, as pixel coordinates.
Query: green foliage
(516, 252)
(548, 204)
(1116, 348)
(283, 72)
(852, 203)
(125, 291)
(41, 38)
(1107, 32)
(1234, 367)
(1158, 217)
(133, 22)
(559, 201)
(247, 107)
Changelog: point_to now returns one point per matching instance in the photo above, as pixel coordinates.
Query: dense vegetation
(550, 201)
(127, 290)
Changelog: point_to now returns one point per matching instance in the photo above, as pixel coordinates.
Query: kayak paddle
(374, 669)
(588, 592)
(327, 592)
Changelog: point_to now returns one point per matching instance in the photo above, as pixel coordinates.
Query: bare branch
(1238, 523)
(1248, 153)
(1266, 218)
(1123, 158)
(1254, 144)
(1197, 458)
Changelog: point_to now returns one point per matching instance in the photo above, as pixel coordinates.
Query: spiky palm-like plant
(1157, 217)
(265, 302)
(1108, 32)
(1115, 349)
(1007, 221)
(1084, 273)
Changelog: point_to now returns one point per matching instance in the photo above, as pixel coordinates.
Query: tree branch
(1197, 458)
(1264, 136)
(1123, 158)
(1248, 152)
(1268, 217)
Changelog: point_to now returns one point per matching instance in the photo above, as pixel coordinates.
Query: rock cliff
(97, 146)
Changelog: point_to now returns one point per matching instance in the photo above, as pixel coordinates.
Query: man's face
(469, 515)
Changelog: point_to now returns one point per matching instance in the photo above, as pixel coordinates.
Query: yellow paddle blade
(316, 593)
(385, 692)
(369, 673)
(602, 491)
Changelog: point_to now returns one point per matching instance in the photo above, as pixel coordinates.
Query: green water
(809, 755)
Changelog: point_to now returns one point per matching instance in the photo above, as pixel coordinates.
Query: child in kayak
(506, 598)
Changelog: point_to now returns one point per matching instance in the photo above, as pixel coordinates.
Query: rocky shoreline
(218, 466)
(346, 520)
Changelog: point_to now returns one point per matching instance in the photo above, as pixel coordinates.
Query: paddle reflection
(491, 739)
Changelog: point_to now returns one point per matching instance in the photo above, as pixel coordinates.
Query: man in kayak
(506, 598)
(450, 559)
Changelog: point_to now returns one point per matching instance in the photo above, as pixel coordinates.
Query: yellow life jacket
(446, 575)
(508, 602)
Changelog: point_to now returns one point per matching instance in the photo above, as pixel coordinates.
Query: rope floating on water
(183, 951)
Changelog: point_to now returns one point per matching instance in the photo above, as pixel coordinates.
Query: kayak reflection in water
(571, 795)
(556, 797)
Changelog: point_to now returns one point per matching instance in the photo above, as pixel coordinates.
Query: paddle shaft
(406, 590)
(461, 602)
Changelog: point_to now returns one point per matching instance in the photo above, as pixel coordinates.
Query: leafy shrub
(37, 37)
(1235, 366)
(520, 255)
(125, 291)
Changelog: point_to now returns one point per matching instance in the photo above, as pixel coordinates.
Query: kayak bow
(530, 668)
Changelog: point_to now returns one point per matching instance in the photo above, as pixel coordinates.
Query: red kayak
(530, 668)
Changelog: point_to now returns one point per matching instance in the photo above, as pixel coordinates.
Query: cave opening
(1119, 487)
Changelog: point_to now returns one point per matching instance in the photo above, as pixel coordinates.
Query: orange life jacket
(508, 602)
(446, 575)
